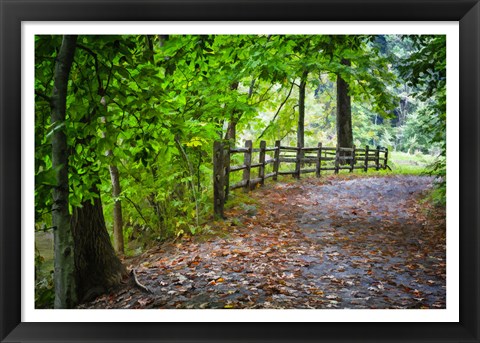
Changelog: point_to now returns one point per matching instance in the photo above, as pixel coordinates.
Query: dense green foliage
(425, 71)
(153, 105)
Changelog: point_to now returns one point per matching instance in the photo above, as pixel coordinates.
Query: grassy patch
(404, 163)
(437, 196)
(44, 247)
(239, 198)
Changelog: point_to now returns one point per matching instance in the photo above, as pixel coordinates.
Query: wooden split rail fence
(322, 158)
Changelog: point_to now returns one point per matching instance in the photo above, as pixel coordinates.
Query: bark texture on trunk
(344, 112)
(64, 269)
(98, 268)
(301, 110)
(231, 133)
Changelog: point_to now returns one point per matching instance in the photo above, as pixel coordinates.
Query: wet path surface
(328, 243)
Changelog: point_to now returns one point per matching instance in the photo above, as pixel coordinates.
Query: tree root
(139, 284)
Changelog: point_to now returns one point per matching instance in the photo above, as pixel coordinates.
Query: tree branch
(95, 57)
(278, 111)
(43, 96)
(137, 208)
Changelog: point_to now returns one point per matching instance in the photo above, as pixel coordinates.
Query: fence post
(261, 160)
(298, 162)
(386, 159)
(377, 158)
(218, 180)
(247, 161)
(319, 160)
(337, 159)
(352, 161)
(227, 168)
(365, 168)
(276, 163)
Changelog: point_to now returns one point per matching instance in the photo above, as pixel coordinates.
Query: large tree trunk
(65, 294)
(301, 110)
(98, 269)
(344, 112)
(231, 133)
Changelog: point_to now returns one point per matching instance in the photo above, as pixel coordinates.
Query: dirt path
(317, 243)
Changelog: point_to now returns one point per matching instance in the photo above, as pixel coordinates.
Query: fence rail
(317, 159)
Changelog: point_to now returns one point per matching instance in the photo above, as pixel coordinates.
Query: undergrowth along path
(335, 242)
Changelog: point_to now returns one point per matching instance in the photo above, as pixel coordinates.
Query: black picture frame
(13, 12)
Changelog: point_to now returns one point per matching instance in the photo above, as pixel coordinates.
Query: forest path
(335, 242)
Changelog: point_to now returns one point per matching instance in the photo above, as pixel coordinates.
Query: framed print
(117, 76)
